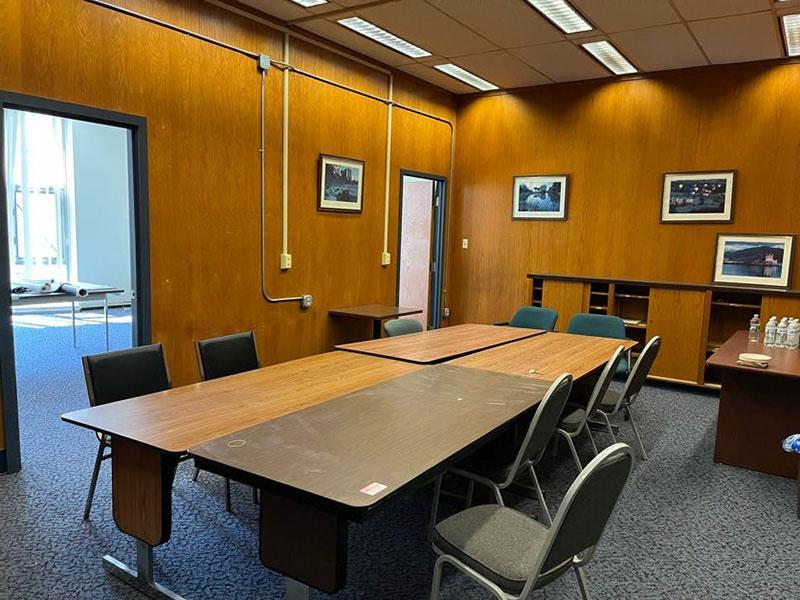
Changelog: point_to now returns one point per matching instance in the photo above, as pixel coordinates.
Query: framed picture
(754, 260)
(341, 184)
(540, 197)
(698, 197)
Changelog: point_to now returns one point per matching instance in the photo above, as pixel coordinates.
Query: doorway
(421, 245)
(74, 260)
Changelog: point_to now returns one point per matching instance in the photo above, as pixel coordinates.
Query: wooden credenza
(692, 319)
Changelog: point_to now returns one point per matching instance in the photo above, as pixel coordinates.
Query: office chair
(608, 326)
(119, 375)
(395, 327)
(533, 317)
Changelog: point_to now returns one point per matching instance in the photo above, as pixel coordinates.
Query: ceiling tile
(501, 69)
(431, 75)
(423, 25)
(660, 48)
(336, 33)
(562, 61)
(507, 23)
(621, 15)
(281, 9)
(706, 9)
(739, 39)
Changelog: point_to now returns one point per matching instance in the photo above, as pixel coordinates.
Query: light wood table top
(784, 361)
(176, 419)
(357, 450)
(438, 345)
(374, 311)
(547, 356)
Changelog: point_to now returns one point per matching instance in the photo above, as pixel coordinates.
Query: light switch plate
(386, 259)
(465, 243)
(286, 261)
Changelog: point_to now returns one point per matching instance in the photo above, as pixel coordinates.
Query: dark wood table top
(437, 345)
(374, 311)
(177, 419)
(355, 451)
(784, 361)
(546, 356)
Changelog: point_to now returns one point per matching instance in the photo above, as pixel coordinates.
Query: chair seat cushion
(494, 461)
(499, 543)
(572, 418)
(609, 402)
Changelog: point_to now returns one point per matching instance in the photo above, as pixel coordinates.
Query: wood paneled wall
(616, 139)
(202, 107)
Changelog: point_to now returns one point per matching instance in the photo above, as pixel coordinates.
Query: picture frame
(540, 197)
(754, 260)
(698, 197)
(341, 184)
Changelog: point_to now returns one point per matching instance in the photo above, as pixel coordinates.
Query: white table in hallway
(94, 292)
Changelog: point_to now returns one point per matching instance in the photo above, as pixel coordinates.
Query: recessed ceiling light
(310, 3)
(382, 36)
(466, 77)
(566, 18)
(791, 33)
(611, 58)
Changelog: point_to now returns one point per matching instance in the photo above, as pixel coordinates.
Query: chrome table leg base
(142, 578)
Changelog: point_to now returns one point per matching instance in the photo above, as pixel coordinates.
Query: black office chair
(221, 357)
(119, 375)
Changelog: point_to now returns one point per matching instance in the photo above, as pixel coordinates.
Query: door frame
(10, 461)
(438, 221)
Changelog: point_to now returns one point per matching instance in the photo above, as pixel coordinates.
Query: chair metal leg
(636, 432)
(609, 427)
(540, 494)
(571, 449)
(497, 494)
(437, 579)
(195, 474)
(470, 492)
(95, 472)
(582, 583)
(437, 492)
(591, 439)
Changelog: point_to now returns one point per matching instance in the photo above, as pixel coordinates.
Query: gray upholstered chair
(498, 464)
(119, 375)
(613, 402)
(510, 554)
(220, 357)
(573, 421)
(395, 327)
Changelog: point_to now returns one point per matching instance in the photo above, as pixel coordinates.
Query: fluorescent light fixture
(382, 36)
(563, 16)
(791, 33)
(611, 58)
(466, 77)
(310, 3)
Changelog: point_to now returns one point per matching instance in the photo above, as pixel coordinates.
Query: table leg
(142, 578)
(377, 329)
(74, 332)
(105, 315)
(296, 590)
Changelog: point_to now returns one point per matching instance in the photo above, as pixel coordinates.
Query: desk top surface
(374, 311)
(784, 361)
(359, 449)
(176, 419)
(437, 345)
(547, 356)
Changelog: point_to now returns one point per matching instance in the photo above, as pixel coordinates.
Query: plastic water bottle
(770, 330)
(793, 335)
(755, 328)
(780, 335)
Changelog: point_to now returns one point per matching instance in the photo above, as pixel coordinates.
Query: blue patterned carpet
(685, 527)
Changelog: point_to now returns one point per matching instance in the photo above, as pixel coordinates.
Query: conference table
(328, 439)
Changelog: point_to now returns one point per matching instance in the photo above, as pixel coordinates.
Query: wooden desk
(547, 356)
(438, 345)
(151, 433)
(340, 461)
(757, 407)
(377, 313)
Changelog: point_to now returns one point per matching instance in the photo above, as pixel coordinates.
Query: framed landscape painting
(698, 197)
(540, 197)
(755, 260)
(341, 184)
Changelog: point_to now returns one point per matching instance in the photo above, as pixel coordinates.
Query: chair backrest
(535, 317)
(603, 382)
(543, 424)
(640, 371)
(227, 355)
(598, 325)
(123, 374)
(584, 512)
(395, 327)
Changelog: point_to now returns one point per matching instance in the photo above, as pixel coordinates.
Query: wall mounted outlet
(386, 259)
(465, 243)
(286, 261)
(306, 301)
(445, 312)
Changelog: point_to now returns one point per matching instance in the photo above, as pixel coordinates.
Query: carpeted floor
(684, 529)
